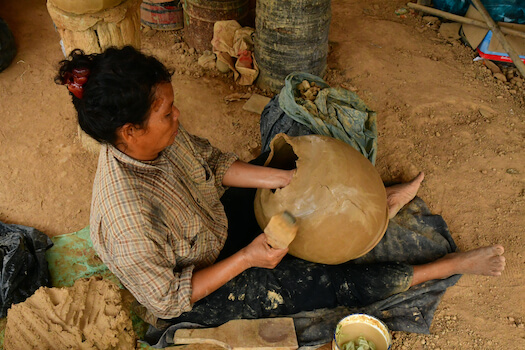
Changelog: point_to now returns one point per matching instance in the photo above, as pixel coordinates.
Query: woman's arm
(246, 175)
(257, 254)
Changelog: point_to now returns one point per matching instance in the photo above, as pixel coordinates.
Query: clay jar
(336, 195)
(84, 6)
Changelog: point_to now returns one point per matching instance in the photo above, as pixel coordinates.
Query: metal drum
(290, 36)
(201, 15)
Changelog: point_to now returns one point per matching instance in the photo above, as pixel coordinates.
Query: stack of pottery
(95, 25)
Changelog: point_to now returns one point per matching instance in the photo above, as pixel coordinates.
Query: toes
(498, 249)
(419, 178)
(498, 267)
(497, 262)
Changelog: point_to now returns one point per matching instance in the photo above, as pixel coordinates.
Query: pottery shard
(336, 195)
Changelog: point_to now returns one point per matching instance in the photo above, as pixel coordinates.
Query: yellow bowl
(353, 326)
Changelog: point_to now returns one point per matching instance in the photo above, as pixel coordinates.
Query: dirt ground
(438, 111)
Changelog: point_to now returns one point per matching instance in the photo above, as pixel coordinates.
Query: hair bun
(75, 81)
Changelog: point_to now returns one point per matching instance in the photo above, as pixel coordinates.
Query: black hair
(120, 89)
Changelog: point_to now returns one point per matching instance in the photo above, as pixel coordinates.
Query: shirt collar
(144, 166)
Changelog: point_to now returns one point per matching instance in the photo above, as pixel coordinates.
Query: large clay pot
(336, 195)
(85, 6)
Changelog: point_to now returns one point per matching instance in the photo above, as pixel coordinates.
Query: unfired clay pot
(336, 195)
(84, 6)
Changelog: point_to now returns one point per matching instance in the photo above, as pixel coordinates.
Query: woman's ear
(127, 133)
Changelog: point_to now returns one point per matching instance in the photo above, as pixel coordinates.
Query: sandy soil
(438, 111)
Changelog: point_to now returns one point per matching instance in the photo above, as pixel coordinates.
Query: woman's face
(161, 127)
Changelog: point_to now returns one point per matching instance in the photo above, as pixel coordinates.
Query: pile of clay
(92, 314)
(308, 92)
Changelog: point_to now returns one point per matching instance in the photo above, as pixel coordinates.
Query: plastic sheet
(24, 265)
(7, 45)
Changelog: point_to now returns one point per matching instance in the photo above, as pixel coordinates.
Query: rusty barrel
(165, 15)
(290, 36)
(201, 15)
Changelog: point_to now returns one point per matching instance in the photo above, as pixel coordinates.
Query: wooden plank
(259, 334)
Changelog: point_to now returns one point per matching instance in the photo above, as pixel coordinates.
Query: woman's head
(112, 89)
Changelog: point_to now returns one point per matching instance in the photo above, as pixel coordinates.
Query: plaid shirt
(154, 222)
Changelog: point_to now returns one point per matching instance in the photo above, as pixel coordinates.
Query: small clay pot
(336, 195)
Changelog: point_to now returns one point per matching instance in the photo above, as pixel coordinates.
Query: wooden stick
(462, 19)
(496, 30)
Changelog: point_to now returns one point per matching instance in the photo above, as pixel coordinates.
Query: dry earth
(438, 111)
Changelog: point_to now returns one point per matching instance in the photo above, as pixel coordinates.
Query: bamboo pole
(496, 30)
(462, 19)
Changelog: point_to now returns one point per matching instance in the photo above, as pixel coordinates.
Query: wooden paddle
(259, 334)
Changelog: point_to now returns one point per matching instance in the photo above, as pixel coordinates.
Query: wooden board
(260, 334)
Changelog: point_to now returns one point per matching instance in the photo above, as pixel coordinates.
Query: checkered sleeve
(218, 161)
(152, 279)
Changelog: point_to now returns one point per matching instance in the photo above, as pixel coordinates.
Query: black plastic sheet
(7, 45)
(24, 267)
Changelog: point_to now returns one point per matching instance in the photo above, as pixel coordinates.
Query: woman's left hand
(285, 177)
(246, 175)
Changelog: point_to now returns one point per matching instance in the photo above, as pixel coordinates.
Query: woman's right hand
(259, 254)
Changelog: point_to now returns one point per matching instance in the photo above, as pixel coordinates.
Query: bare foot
(486, 261)
(398, 196)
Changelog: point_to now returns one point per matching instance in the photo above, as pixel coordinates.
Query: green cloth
(72, 257)
(339, 113)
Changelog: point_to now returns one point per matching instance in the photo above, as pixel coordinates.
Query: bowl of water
(361, 332)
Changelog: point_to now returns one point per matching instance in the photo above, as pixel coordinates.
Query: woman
(158, 223)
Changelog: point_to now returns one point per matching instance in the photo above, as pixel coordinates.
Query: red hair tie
(75, 81)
